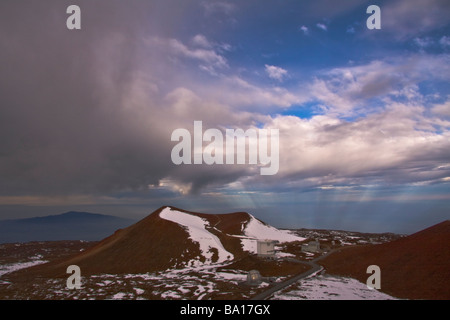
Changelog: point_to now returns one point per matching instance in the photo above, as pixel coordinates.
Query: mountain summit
(173, 238)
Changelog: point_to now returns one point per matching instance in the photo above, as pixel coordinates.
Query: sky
(86, 116)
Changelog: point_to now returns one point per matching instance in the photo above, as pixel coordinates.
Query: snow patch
(284, 255)
(249, 245)
(196, 228)
(256, 230)
(326, 287)
(119, 296)
(231, 276)
(170, 295)
(139, 291)
(4, 269)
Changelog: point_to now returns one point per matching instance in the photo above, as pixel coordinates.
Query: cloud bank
(91, 113)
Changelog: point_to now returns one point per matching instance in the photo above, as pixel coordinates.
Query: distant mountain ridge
(72, 225)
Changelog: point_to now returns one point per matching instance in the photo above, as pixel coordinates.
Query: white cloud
(389, 144)
(236, 91)
(175, 186)
(346, 90)
(219, 48)
(210, 60)
(445, 41)
(322, 26)
(395, 145)
(423, 42)
(382, 147)
(442, 109)
(208, 56)
(183, 106)
(224, 47)
(200, 40)
(275, 72)
(304, 29)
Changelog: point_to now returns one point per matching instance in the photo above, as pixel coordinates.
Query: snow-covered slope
(252, 230)
(327, 287)
(196, 228)
(256, 230)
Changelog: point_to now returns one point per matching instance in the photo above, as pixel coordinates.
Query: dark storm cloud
(406, 19)
(91, 111)
(63, 124)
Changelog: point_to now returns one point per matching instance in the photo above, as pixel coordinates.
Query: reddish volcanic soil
(268, 268)
(152, 244)
(413, 267)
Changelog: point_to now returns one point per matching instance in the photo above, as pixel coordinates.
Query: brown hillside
(413, 267)
(152, 244)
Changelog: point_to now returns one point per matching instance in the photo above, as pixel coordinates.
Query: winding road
(277, 287)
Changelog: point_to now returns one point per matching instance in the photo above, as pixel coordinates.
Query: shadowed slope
(413, 267)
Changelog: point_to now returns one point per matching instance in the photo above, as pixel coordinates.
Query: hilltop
(171, 238)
